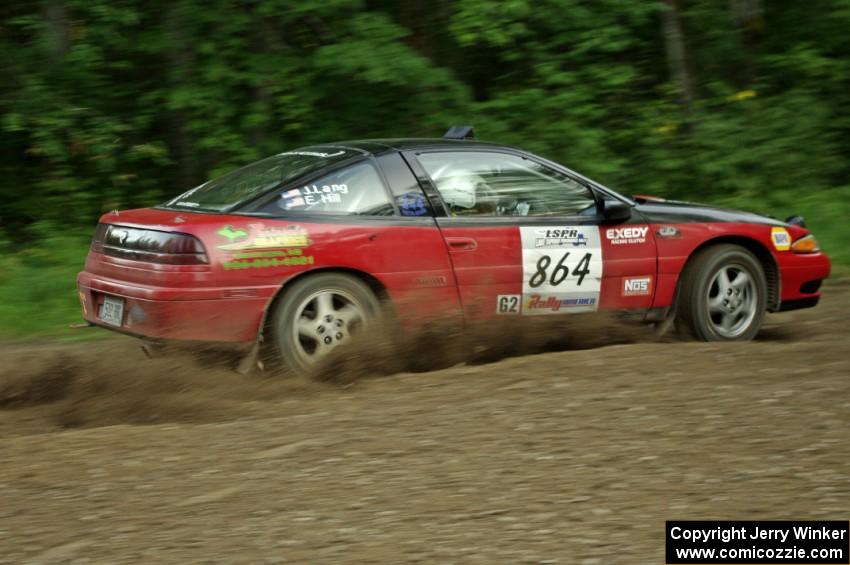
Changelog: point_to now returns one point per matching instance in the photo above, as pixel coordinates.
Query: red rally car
(304, 248)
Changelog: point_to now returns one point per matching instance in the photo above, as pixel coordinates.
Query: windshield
(258, 178)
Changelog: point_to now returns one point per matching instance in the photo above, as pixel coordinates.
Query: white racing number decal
(561, 269)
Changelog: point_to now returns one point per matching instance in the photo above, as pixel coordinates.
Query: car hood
(659, 210)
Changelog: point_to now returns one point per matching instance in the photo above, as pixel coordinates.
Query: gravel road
(572, 457)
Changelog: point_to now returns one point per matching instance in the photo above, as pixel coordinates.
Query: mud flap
(251, 360)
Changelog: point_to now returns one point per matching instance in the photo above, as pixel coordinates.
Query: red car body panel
(794, 269)
(429, 267)
(220, 302)
(427, 273)
(488, 263)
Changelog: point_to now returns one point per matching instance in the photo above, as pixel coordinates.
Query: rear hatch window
(243, 185)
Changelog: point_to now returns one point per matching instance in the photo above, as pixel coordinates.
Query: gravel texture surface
(574, 457)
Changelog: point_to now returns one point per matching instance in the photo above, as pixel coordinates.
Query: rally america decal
(561, 269)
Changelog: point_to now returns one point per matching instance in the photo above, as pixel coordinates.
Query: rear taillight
(152, 246)
(99, 236)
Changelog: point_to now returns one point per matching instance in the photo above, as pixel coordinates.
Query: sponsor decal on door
(637, 286)
(561, 269)
(626, 235)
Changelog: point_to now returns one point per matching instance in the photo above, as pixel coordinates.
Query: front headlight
(806, 244)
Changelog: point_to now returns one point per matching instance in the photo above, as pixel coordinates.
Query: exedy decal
(619, 236)
(263, 247)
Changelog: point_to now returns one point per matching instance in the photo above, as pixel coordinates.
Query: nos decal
(561, 269)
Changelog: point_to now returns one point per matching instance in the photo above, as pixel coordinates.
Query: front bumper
(801, 275)
(226, 315)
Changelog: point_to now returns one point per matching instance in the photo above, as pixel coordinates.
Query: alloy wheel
(732, 300)
(323, 321)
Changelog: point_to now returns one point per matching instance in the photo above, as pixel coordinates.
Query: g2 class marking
(508, 304)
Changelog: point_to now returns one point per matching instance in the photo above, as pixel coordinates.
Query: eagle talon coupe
(307, 247)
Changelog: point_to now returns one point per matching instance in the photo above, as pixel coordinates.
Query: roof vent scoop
(460, 132)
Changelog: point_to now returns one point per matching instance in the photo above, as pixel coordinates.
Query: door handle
(461, 243)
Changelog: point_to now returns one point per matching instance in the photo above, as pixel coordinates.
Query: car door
(527, 238)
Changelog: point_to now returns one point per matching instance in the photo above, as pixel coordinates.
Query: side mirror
(796, 221)
(615, 210)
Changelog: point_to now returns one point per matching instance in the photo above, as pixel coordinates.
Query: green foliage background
(110, 105)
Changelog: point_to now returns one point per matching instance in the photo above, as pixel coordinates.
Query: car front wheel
(723, 295)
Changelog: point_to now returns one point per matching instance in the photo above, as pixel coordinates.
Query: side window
(355, 190)
(407, 193)
(477, 183)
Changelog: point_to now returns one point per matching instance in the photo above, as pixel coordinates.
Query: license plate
(112, 311)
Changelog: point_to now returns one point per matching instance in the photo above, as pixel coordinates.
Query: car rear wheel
(317, 315)
(723, 295)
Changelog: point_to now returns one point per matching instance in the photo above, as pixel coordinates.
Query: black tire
(287, 346)
(711, 305)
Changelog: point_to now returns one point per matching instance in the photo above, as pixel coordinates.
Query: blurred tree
(677, 54)
(749, 17)
(108, 105)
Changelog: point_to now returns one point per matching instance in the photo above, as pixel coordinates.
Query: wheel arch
(373, 283)
(764, 256)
